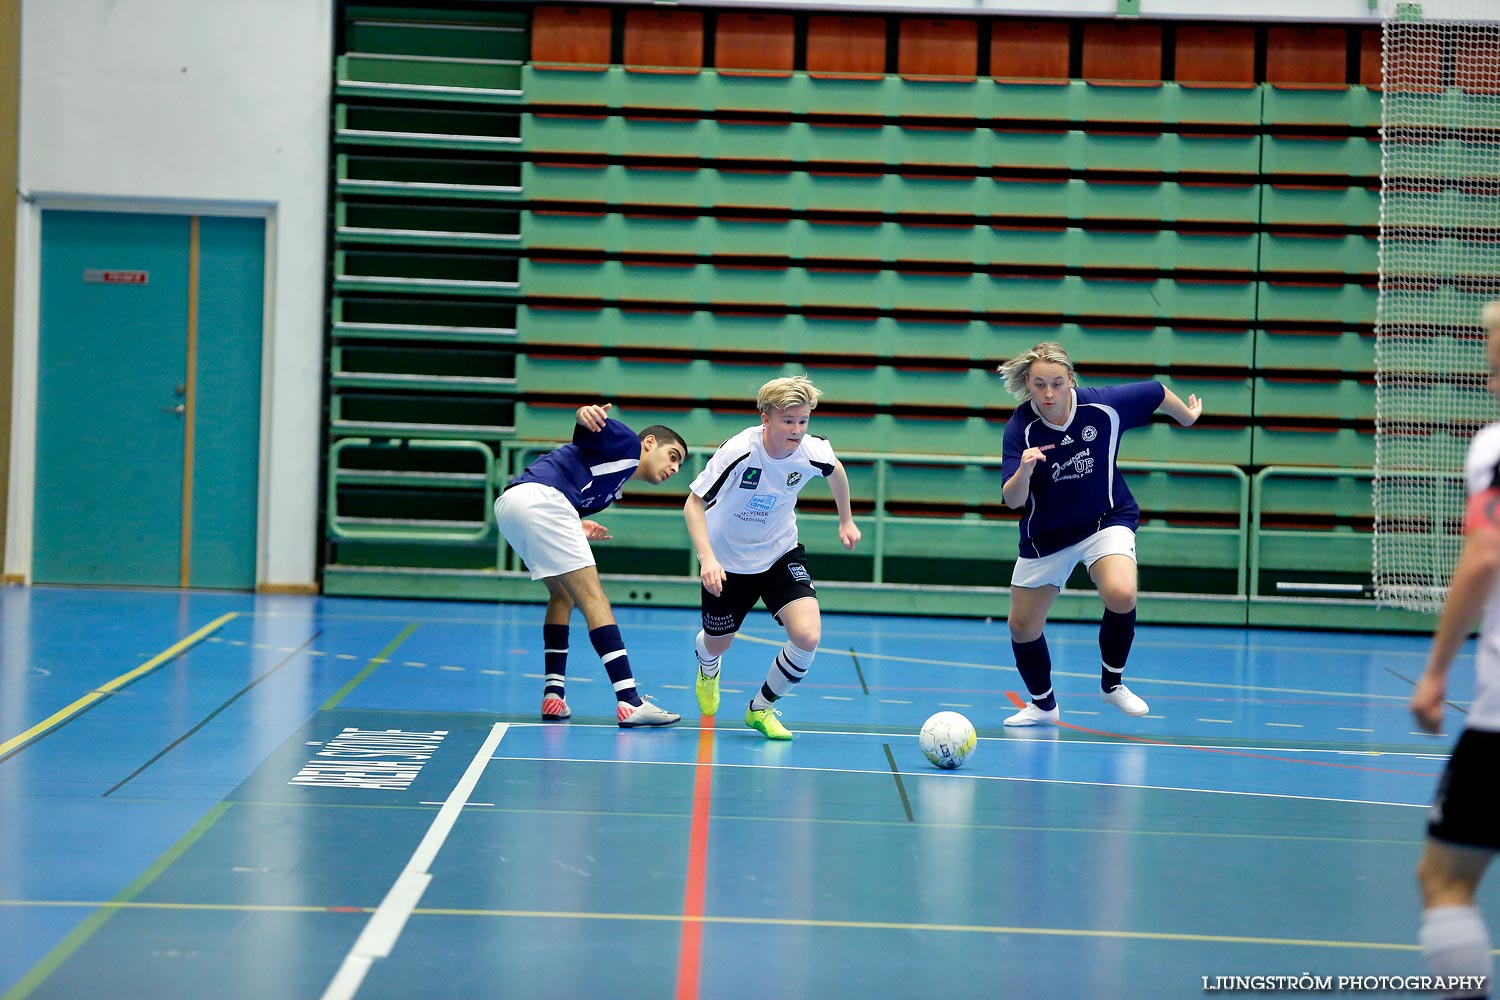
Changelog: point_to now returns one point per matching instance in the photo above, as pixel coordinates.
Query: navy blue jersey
(1079, 489)
(592, 470)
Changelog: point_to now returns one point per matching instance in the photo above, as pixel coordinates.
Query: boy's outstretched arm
(593, 416)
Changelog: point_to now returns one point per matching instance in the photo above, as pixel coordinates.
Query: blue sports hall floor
(229, 796)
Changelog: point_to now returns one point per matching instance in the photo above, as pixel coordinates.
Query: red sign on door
(102, 277)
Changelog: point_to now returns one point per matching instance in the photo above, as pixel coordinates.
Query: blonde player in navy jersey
(1059, 463)
(540, 513)
(741, 517)
(1463, 829)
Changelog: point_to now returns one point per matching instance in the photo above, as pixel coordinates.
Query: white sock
(789, 669)
(1455, 942)
(708, 665)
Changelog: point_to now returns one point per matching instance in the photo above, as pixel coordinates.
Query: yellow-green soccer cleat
(766, 722)
(708, 694)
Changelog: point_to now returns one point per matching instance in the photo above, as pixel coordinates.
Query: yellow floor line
(384, 656)
(877, 925)
(175, 650)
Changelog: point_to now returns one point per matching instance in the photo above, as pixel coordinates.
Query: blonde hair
(1017, 371)
(782, 393)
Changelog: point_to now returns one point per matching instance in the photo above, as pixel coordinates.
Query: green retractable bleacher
(537, 205)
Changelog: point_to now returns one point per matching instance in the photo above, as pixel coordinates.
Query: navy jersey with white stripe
(592, 470)
(1078, 490)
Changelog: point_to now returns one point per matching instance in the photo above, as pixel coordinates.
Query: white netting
(1439, 264)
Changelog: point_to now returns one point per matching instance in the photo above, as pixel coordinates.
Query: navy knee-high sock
(1116, 633)
(611, 649)
(555, 658)
(1035, 664)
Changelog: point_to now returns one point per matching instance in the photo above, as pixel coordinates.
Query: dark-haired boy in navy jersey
(541, 514)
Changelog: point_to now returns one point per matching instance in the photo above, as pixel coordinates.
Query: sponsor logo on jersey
(1089, 433)
(761, 501)
(750, 478)
(793, 478)
(1076, 467)
(799, 572)
(1067, 439)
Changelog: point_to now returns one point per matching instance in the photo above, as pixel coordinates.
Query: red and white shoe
(645, 714)
(554, 709)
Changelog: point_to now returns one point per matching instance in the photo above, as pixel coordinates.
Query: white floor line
(962, 775)
(386, 923)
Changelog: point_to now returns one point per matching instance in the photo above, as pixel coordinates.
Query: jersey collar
(1072, 411)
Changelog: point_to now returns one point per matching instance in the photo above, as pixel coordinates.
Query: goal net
(1439, 265)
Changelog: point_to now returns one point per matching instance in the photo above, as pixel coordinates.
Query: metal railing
(511, 457)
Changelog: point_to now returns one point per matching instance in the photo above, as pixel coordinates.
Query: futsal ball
(947, 740)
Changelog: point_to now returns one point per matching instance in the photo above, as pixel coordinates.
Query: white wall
(189, 106)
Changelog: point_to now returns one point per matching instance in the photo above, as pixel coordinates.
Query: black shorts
(786, 581)
(1463, 811)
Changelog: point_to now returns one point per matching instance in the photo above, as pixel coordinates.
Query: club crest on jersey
(1067, 439)
(761, 501)
(750, 478)
(793, 478)
(1089, 433)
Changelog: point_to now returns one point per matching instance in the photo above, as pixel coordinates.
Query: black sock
(1035, 665)
(1116, 633)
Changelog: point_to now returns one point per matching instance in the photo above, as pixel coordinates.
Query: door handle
(179, 408)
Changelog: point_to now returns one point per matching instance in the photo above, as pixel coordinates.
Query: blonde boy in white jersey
(1463, 832)
(741, 516)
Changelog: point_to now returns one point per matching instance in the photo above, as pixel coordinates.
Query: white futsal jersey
(752, 497)
(1480, 473)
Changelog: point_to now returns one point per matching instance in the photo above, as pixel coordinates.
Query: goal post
(1439, 265)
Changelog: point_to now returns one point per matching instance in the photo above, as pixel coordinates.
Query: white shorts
(1054, 570)
(544, 529)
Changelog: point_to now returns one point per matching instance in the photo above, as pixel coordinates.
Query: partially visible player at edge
(1463, 829)
(1059, 463)
(540, 513)
(742, 519)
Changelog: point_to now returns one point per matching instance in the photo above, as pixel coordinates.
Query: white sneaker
(1033, 716)
(646, 713)
(1126, 702)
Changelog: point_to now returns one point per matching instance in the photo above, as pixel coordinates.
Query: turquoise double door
(148, 400)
